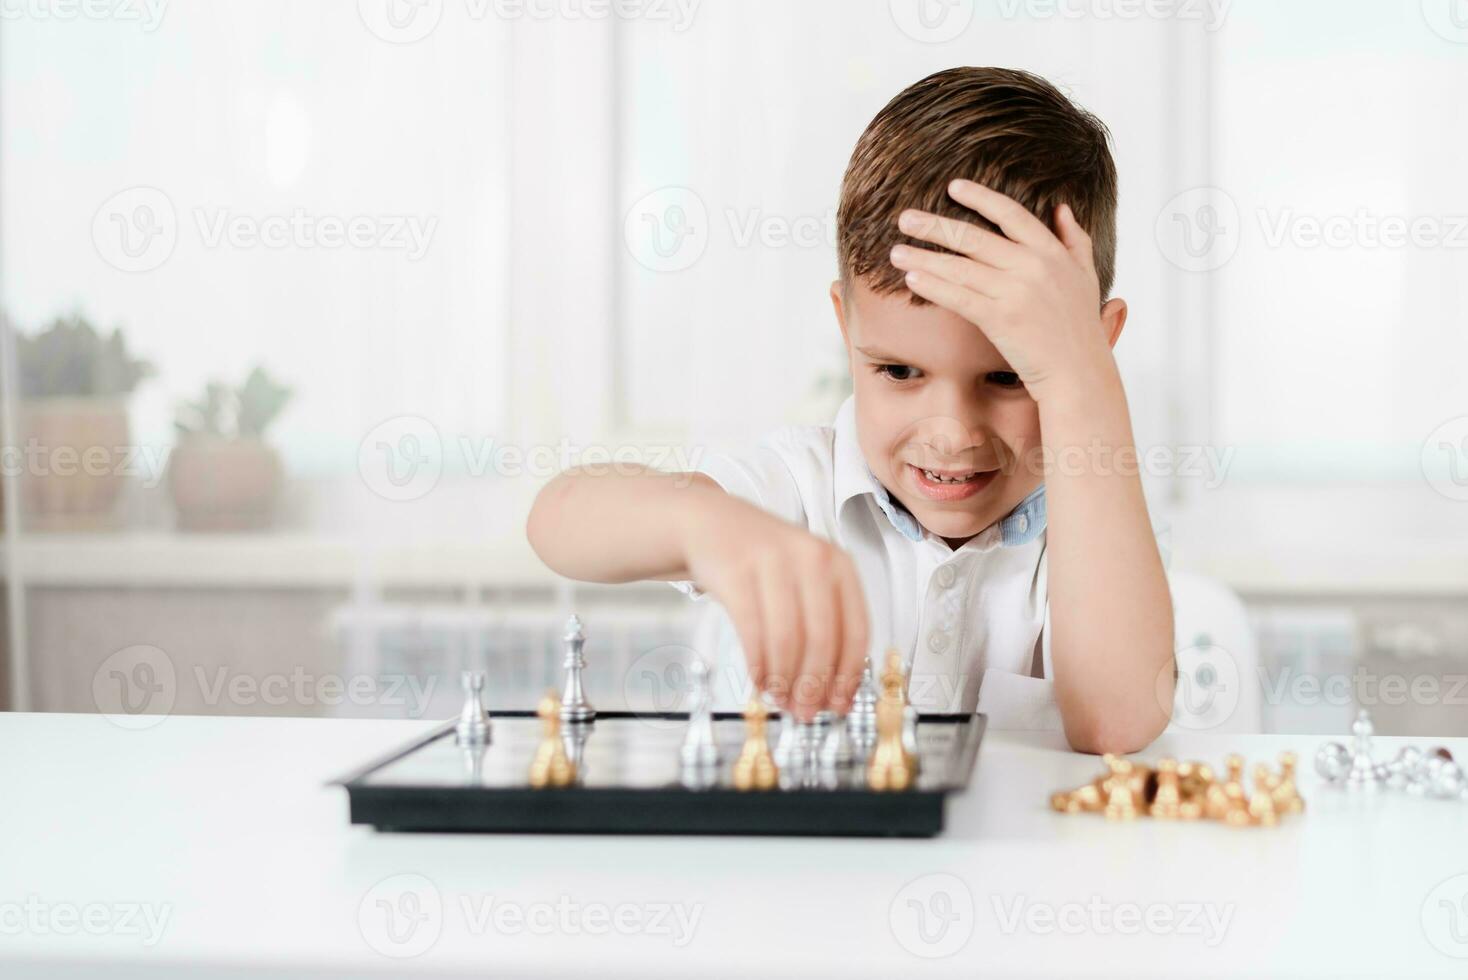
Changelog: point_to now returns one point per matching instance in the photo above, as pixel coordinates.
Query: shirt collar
(853, 477)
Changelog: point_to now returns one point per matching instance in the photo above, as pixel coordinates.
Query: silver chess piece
(1364, 772)
(473, 728)
(1333, 761)
(700, 752)
(574, 706)
(837, 751)
(573, 739)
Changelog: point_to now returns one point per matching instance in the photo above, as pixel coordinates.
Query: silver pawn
(700, 751)
(473, 728)
(574, 706)
(1332, 762)
(790, 746)
(863, 717)
(1364, 773)
(836, 748)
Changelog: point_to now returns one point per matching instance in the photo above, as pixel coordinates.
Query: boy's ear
(840, 307)
(1113, 318)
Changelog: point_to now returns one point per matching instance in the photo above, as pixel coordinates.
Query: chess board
(630, 781)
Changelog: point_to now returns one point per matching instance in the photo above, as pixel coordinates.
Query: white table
(226, 832)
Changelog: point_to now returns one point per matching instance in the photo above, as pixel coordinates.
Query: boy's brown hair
(1007, 129)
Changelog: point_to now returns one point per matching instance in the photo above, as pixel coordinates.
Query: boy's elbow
(1124, 735)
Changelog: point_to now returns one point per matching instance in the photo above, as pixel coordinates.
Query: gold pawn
(1167, 804)
(1261, 807)
(551, 766)
(1287, 797)
(891, 767)
(1235, 803)
(1122, 788)
(755, 768)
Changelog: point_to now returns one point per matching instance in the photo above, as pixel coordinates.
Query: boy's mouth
(949, 484)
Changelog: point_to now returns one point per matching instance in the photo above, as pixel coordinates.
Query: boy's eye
(897, 372)
(1004, 379)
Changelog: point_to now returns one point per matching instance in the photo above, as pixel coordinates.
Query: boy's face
(932, 394)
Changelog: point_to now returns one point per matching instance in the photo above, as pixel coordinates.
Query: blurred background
(303, 302)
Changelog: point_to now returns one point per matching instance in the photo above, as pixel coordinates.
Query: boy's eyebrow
(878, 355)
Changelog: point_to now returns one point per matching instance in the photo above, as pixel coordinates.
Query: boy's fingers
(959, 236)
(853, 637)
(966, 272)
(742, 605)
(1012, 217)
(973, 307)
(821, 609)
(782, 630)
(1074, 237)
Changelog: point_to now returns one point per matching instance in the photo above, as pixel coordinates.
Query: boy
(976, 242)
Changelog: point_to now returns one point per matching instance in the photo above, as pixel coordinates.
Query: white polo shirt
(971, 621)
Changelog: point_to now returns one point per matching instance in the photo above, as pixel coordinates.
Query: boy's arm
(794, 598)
(1036, 297)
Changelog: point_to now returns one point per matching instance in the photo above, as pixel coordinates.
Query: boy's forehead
(926, 335)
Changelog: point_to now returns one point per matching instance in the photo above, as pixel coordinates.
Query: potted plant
(73, 423)
(222, 475)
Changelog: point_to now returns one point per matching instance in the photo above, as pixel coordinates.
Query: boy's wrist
(1082, 392)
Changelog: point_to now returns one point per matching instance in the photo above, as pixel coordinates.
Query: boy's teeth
(945, 479)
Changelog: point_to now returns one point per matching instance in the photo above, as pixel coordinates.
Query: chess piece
(551, 765)
(1364, 773)
(1447, 780)
(1085, 799)
(862, 719)
(473, 728)
(574, 706)
(755, 769)
(892, 766)
(1261, 805)
(1332, 762)
(1167, 804)
(700, 752)
(1123, 788)
(1406, 770)
(574, 737)
(1232, 805)
(789, 748)
(1286, 794)
(836, 748)
(1193, 781)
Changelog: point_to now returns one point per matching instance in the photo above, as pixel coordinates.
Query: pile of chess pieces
(1431, 773)
(874, 745)
(1188, 791)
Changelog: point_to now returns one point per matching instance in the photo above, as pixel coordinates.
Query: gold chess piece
(1234, 803)
(1124, 788)
(755, 768)
(1193, 781)
(1168, 803)
(551, 765)
(1287, 797)
(1261, 805)
(1086, 799)
(892, 765)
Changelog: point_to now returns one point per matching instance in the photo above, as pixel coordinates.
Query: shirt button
(1023, 523)
(938, 641)
(946, 576)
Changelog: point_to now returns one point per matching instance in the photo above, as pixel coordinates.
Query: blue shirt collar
(853, 477)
